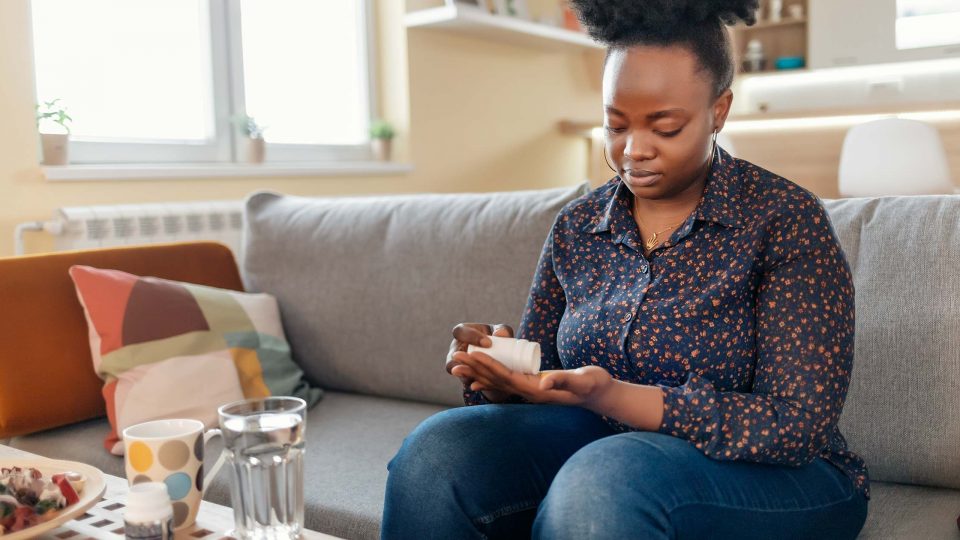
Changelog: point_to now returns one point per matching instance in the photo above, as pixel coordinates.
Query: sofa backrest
(370, 287)
(902, 412)
(46, 372)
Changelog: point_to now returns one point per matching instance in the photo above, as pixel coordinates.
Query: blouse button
(627, 317)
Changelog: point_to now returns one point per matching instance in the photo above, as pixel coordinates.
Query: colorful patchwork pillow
(168, 349)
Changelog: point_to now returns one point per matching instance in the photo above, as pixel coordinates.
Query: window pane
(305, 70)
(927, 23)
(127, 69)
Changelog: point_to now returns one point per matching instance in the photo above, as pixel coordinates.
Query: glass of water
(263, 439)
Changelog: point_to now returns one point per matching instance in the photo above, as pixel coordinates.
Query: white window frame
(226, 61)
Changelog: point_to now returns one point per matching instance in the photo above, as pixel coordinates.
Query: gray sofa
(370, 287)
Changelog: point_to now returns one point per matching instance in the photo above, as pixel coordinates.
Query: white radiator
(83, 227)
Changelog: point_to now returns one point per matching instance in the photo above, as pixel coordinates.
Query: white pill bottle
(517, 354)
(149, 514)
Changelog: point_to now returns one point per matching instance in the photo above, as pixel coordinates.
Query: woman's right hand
(465, 334)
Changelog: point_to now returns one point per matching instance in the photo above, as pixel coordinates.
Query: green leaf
(43, 507)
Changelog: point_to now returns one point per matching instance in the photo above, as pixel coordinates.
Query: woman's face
(660, 114)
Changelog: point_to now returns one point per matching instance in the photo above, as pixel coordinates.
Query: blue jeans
(557, 472)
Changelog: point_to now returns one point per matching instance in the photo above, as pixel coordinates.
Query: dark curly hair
(697, 25)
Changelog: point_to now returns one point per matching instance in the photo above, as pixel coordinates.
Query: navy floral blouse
(744, 317)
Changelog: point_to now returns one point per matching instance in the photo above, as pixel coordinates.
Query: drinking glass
(263, 440)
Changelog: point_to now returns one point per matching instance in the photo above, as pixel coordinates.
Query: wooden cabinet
(786, 37)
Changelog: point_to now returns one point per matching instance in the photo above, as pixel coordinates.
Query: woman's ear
(721, 108)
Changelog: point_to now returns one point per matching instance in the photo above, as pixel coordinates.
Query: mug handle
(209, 476)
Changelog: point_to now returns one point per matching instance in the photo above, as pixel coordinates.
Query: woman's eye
(612, 129)
(673, 133)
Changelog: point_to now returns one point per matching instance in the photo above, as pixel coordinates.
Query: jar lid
(148, 496)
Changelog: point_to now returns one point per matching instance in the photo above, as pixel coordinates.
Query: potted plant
(53, 123)
(256, 146)
(381, 136)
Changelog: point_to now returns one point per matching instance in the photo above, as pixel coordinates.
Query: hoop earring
(713, 153)
(607, 160)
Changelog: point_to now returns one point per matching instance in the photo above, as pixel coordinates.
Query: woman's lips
(642, 178)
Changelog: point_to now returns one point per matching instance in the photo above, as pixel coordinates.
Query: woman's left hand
(582, 386)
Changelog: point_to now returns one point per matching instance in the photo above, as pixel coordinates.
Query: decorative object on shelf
(53, 124)
(512, 8)
(570, 20)
(776, 11)
(256, 150)
(753, 59)
(789, 62)
(486, 5)
(490, 5)
(381, 138)
(781, 31)
(462, 18)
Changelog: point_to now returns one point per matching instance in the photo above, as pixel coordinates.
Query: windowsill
(221, 170)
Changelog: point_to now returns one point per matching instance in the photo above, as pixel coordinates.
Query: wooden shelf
(579, 128)
(584, 128)
(744, 75)
(896, 108)
(786, 37)
(763, 25)
(478, 22)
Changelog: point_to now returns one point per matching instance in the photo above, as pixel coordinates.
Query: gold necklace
(652, 242)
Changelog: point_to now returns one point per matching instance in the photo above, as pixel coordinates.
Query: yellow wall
(471, 116)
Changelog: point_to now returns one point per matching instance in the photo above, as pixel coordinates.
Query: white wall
(858, 32)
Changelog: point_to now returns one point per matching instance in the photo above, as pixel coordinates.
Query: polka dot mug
(171, 451)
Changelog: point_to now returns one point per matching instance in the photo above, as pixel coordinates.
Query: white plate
(92, 491)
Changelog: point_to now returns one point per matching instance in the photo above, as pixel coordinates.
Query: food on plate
(27, 498)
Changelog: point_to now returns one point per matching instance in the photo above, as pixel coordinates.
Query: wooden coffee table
(105, 519)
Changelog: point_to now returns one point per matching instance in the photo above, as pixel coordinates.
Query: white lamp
(893, 156)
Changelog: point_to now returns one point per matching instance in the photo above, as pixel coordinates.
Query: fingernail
(486, 342)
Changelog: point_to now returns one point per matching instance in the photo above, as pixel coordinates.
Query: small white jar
(149, 514)
(776, 11)
(517, 354)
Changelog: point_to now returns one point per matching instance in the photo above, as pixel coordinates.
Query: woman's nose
(639, 148)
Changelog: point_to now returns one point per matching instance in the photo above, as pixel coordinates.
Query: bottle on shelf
(776, 11)
(753, 59)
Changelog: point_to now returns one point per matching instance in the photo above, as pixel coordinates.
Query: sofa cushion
(370, 287)
(901, 408)
(897, 511)
(172, 349)
(46, 374)
(350, 440)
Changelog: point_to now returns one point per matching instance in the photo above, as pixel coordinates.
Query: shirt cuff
(689, 410)
(473, 397)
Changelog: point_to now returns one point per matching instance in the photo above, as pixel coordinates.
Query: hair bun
(611, 21)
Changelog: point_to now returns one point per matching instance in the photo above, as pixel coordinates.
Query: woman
(696, 321)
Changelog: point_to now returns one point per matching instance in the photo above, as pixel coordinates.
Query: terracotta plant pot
(381, 148)
(256, 150)
(55, 148)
